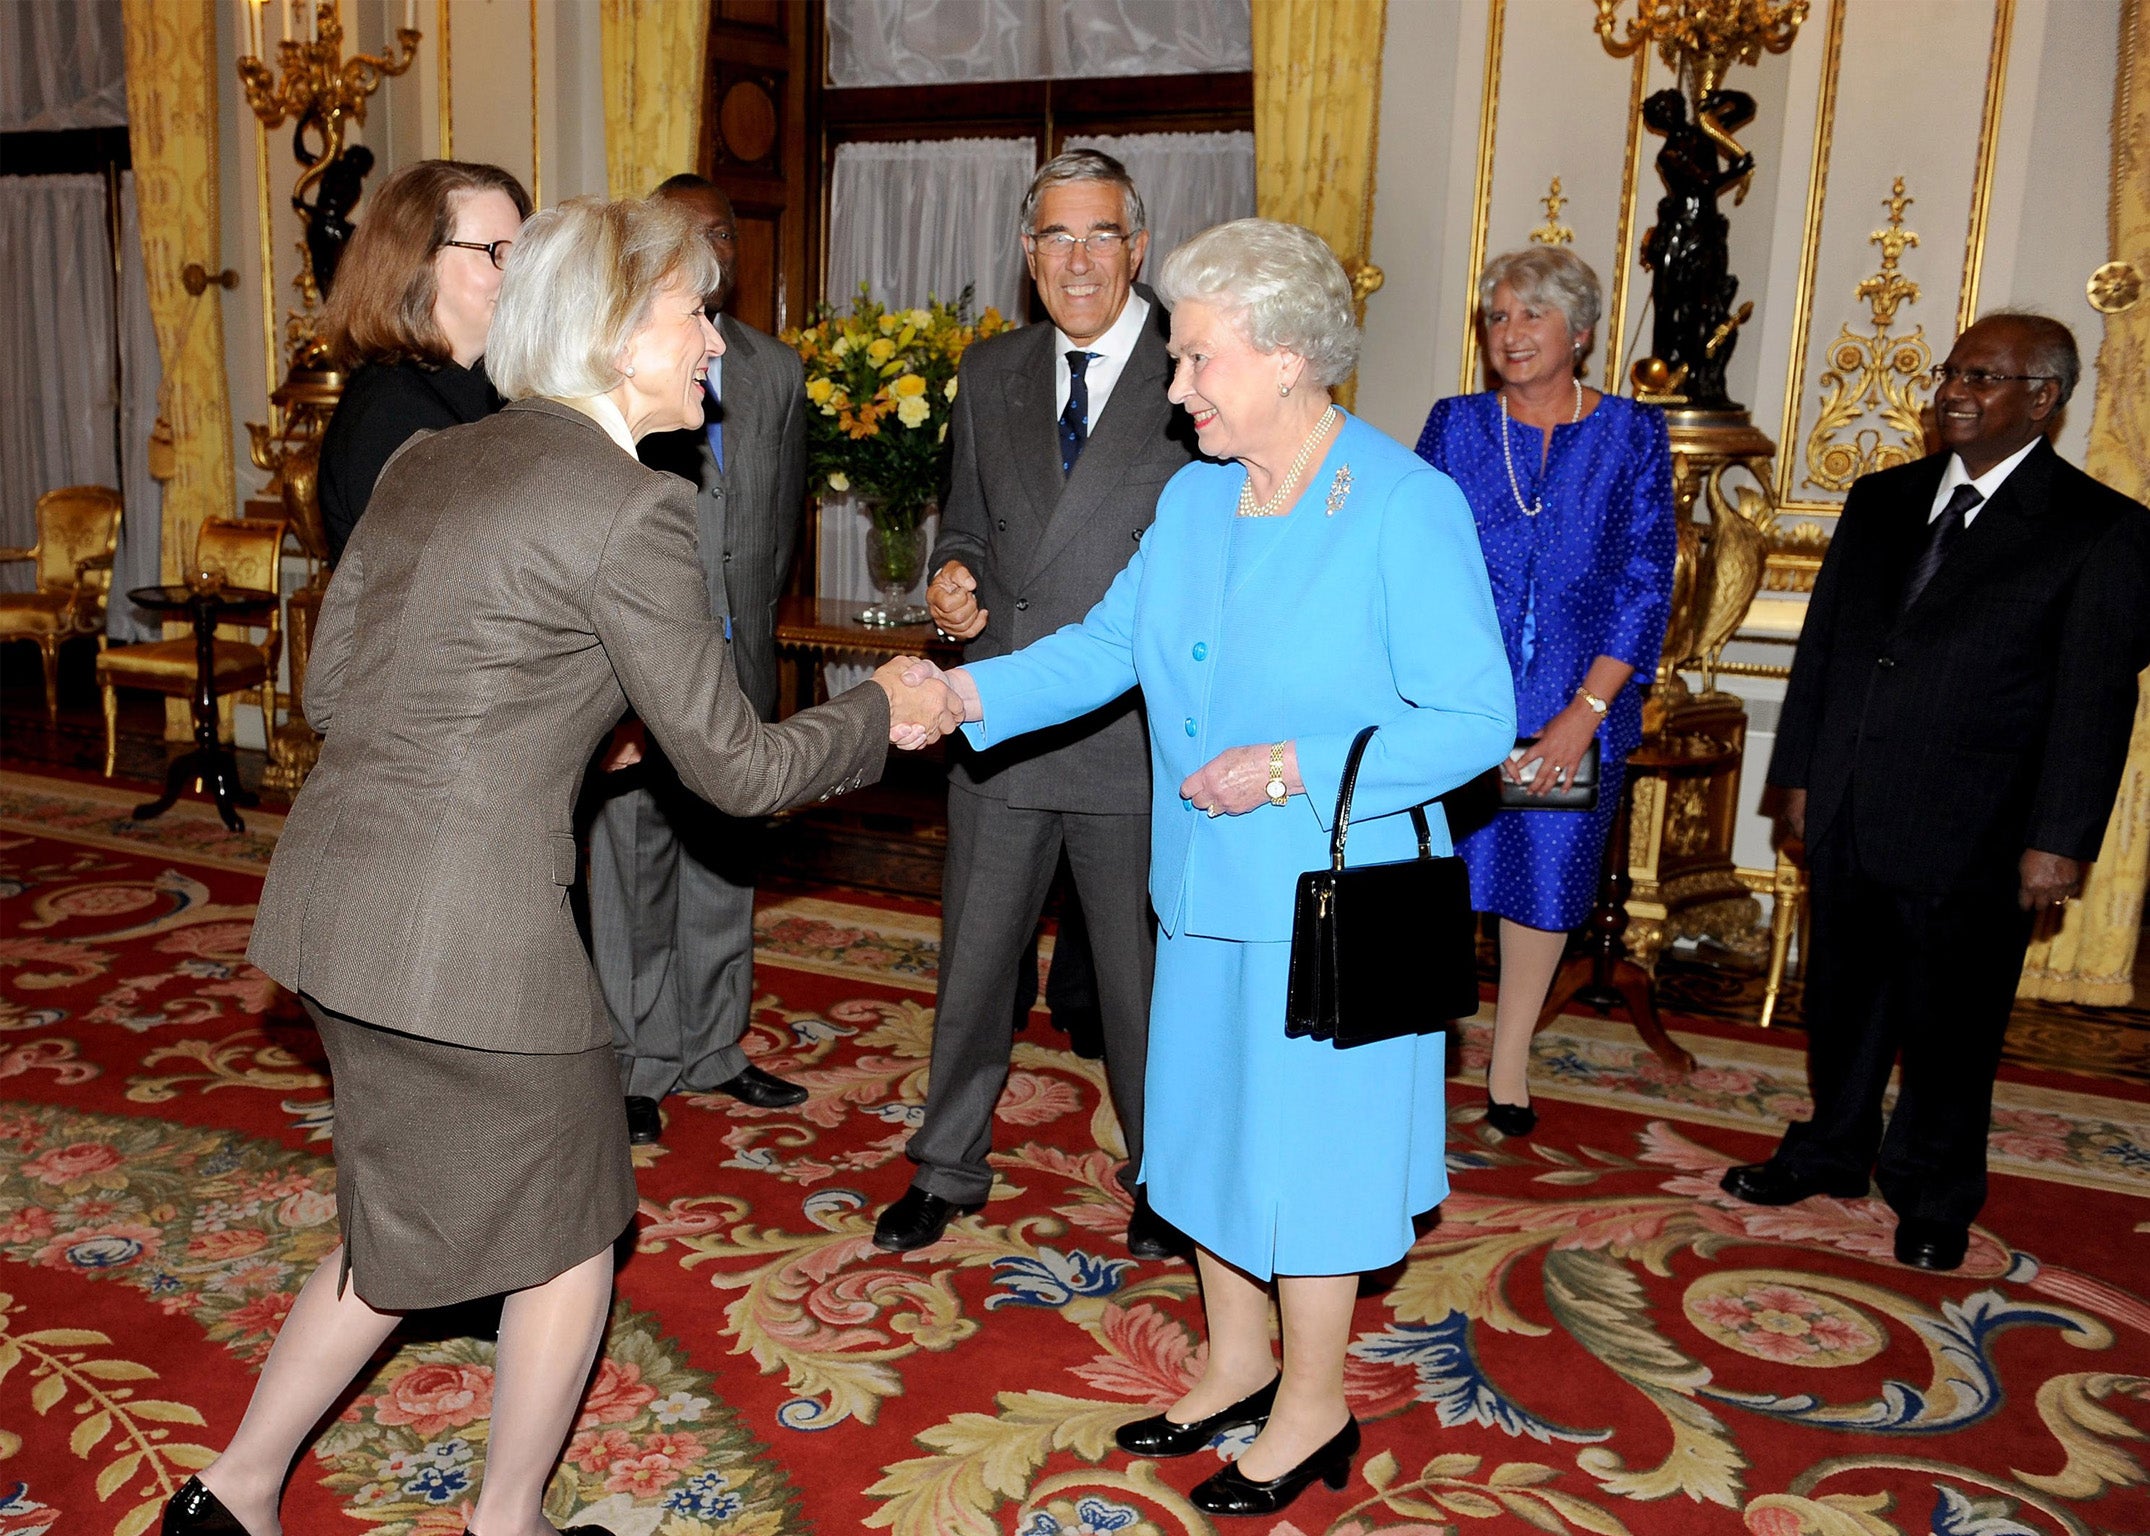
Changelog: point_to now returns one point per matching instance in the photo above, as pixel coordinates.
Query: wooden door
(764, 84)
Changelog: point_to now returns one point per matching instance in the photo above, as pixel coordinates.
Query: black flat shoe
(1229, 1493)
(1772, 1183)
(1510, 1119)
(195, 1511)
(917, 1220)
(1159, 1437)
(763, 1090)
(1931, 1244)
(645, 1125)
(1150, 1236)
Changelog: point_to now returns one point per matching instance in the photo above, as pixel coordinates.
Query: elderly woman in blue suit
(1314, 579)
(1572, 494)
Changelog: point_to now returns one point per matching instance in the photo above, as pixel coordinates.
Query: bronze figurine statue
(1694, 329)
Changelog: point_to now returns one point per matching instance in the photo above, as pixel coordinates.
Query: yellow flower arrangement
(880, 388)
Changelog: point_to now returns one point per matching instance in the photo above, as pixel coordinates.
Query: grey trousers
(1000, 863)
(672, 934)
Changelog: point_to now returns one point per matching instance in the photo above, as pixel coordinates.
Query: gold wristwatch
(1597, 705)
(1275, 788)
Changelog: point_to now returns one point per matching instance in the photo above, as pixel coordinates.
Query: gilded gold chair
(1787, 920)
(77, 531)
(244, 552)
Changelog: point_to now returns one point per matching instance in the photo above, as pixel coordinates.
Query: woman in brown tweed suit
(515, 586)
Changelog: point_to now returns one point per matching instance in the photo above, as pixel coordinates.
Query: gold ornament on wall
(1552, 231)
(1878, 374)
(2115, 288)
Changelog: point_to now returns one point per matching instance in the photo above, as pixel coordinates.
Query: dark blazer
(748, 514)
(382, 406)
(514, 587)
(1045, 546)
(1994, 715)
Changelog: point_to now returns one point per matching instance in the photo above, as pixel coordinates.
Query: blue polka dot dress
(1589, 576)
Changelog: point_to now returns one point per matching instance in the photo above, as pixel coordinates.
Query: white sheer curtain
(930, 42)
(1188, 182)
(917, 220)
(63, 64)
(78, 366)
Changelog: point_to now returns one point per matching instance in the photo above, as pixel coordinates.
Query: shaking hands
(922, 707)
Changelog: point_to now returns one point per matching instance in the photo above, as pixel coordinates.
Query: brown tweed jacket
(514, 586)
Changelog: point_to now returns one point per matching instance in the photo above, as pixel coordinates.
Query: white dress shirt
(1986, 484)
(600, 409)
(1109, 355)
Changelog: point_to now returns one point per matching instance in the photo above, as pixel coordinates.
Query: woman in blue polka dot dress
(1572, 494)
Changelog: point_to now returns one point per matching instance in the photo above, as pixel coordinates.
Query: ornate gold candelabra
(1701, 39)
(319, 91)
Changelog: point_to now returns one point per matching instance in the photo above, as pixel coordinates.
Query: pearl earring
(1283, 389)
(630, 370)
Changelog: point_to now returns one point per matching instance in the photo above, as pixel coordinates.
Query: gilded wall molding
(1877, 374)
(1623, 266)
(1795, 371)
(1989, 140)
(1482, 193)
(1552, 231)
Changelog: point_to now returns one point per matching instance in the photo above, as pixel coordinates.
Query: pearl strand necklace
(1277, 498)
(1515, 488)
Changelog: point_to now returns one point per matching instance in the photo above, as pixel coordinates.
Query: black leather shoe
(1931, 1244)
(1150, 1236)
(1510, 1119)
(1772, 1183)
(1159, 1437)
(195, 1511)
(1085, 1032)
(763, 1090)
(645, 1126)
(1229, 1493)
(918, 1219)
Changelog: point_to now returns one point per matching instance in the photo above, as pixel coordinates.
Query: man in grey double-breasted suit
(1062, 440)
(671, 894)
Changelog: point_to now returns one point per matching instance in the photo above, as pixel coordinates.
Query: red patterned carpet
(1589, 1338)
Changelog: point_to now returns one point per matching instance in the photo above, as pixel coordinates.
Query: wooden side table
(215, 769)
(810, 630)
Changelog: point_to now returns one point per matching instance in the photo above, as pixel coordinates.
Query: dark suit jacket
(513, 588)
(1993, 716)
(749, 513)
(382, 405)
(1044, 546)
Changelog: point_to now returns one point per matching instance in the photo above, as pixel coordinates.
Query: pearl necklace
(1290, 482)
(1515, 489)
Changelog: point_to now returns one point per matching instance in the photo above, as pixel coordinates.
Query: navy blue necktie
(1075, 420)
(1940, 539)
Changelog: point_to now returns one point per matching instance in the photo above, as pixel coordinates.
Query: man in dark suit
(1950, 746)
(1062, 440)
(671, 889)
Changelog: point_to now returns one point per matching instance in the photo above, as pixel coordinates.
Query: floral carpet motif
(1588, 1336)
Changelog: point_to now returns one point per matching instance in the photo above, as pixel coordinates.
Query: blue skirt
(1541, 868)
(1283, 1156)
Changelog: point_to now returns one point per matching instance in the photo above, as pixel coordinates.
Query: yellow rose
(887, 323)
(819, 390)
(839, 481)
(912, 411)
(908, 385)
(920, 319)
(880, 350)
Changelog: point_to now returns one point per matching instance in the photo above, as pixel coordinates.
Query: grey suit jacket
(748, 514)
(1045, 547)
(514, 586)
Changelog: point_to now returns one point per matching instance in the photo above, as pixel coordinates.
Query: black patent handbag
(1384, 950)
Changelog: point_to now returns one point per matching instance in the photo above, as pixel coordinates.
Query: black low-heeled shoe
(1232, 1493)
(195, 1511)
(1510, 1119)
(1159, 1437)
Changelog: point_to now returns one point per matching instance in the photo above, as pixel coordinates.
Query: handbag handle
(1342, 822)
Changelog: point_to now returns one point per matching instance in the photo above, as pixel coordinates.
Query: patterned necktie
(1940, 539)
(1075, 420)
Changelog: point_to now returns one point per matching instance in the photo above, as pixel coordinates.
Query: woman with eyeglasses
(407, 321)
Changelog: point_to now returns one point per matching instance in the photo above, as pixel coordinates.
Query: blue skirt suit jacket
(1369, 605)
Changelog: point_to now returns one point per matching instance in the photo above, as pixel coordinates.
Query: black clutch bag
(1384, 950)
(1579, 794)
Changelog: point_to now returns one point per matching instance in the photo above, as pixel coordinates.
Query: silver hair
(1073, 165)
(578, 286)
(2053, 353)
(1547, 277)
(1283, 282)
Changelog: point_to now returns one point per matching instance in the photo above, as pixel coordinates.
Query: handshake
(925, 703)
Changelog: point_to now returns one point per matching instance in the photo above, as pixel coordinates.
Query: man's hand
(625, 749)
(1236, 780)
(2048, 880)
(952, 598)
(1558, 752)
(919, 713)
(1792, 814)
(957, 678)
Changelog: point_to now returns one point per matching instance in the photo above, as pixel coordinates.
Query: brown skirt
(463, 1173)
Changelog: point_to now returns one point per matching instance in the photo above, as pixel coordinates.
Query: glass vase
(894, 558)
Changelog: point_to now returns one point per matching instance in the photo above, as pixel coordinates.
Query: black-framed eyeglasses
(496, 251)
(1101, 242)
(1979, 378)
